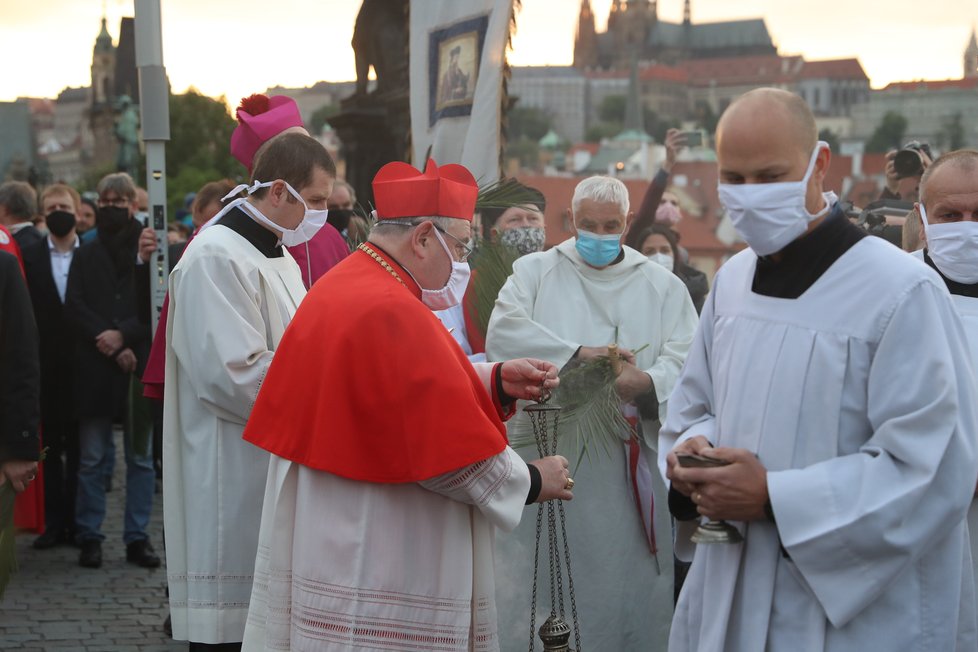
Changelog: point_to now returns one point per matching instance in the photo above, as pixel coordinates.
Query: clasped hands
(736, 492)
(109, 343)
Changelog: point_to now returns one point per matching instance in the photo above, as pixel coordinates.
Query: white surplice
(229, 306)
(859, 399)
(968, 310)
(349, 566)
(552, 304)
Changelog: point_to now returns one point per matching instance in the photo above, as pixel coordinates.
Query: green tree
(952, 134)
(528, 122)
(831, 138)
(199, 147)
(889, 134)
(612, 109)
(526, 150)
(598, 132)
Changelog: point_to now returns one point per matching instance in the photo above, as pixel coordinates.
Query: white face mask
(450, 295)
(308, 227)
(665, 260)
(768, 216)
(953, 246)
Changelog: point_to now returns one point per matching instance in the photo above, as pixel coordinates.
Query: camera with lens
(908, 161)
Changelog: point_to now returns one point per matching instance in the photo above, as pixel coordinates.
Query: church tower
(971, 57)
(101, 111)
(687, 14)
(586, 41)
(103, 67)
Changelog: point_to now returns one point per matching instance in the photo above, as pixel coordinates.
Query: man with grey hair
(101, 303)
(830, 378)
(949, 210)
(18, 207)
(566, 305)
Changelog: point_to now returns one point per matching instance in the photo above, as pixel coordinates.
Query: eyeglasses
(118, 202)
(462, 250)
(466, 250)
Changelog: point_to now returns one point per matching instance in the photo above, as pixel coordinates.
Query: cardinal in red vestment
(390, 468)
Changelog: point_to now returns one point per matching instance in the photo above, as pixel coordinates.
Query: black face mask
(60, 223)
(339, 218)
(112, 219)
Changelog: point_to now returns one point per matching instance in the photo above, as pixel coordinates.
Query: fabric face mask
(450, 295)
(953, 246)
(667, 213)
(665, 260)
(339, 218)
(60, 223)
(598, 250)
(768, 216)
(111, 219)
(524, 239)
(308, 227)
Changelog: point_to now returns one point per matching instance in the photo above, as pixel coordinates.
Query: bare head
(949, 188)
(767, 136)
(292, 159)
(18, 203)
(343, 196)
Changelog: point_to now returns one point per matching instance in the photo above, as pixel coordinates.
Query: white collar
(51, 246)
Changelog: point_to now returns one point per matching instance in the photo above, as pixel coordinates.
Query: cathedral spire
(971, 57)
(687, 13)
(586, 41)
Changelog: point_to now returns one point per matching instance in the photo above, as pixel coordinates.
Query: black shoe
(49, 539)
(91, 554)
(142, 554)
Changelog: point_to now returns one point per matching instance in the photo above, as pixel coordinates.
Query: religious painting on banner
(454, 55)
(457, 59)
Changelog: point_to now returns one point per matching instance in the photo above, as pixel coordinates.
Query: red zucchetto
(400, 191)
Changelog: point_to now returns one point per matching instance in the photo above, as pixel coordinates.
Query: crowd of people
(334, 398)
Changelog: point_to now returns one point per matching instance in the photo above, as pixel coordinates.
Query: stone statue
(127, 133)
(380, 39)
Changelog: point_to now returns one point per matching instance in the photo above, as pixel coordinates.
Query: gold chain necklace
(365, 248)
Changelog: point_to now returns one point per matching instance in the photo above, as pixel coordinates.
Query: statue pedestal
(375, 130)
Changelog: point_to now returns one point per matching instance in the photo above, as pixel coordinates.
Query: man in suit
(112, 343)
(18, 205)
(46, 264)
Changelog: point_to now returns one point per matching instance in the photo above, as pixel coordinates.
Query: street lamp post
(154, 110)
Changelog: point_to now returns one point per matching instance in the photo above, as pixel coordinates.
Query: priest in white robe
(390, 470)
(949, 208)
(233, 293)
(832, 372)
(566, 305)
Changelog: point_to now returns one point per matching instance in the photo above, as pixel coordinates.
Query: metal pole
(154, 112)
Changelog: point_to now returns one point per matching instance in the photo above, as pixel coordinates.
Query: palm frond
(591, 416)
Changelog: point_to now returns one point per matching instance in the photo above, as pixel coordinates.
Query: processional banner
(458, 56)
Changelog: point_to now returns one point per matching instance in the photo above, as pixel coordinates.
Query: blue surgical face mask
(598, 250)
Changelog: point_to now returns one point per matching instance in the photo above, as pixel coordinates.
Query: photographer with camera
(904, 168)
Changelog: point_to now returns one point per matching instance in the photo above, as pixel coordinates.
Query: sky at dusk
(237, 47)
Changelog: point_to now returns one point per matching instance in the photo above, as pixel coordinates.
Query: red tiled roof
(767, 68)
(938, 85)
(648, 72)
(833, 69)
